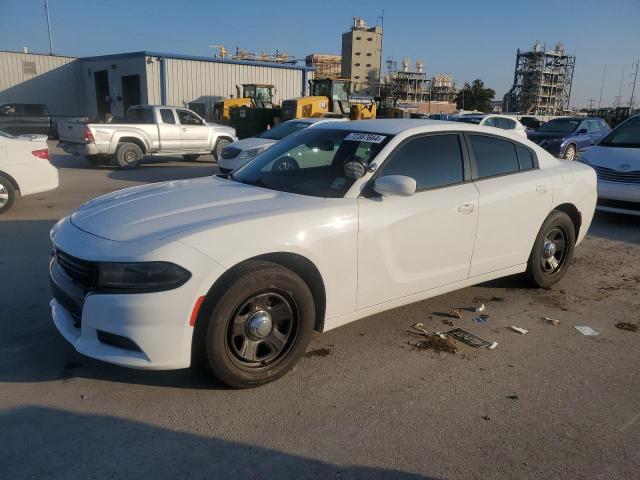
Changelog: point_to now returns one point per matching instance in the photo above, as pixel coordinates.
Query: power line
(633, 89)
(46, 9)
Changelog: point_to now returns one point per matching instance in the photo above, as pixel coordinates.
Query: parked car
(442, 116)
(24, 168)
(31, 118)
(568, 137)
(147, 130)
(616, 160)
(238, 271)
(531, 123)
(243, 151)
(497, 121)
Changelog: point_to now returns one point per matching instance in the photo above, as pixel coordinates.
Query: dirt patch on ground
(435, 343)
(630, 327)
(318, 352)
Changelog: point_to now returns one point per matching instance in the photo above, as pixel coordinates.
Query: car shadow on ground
(616, 226)
(65, 444)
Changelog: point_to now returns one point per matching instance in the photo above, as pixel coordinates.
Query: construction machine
(329, 98)
(251, 112)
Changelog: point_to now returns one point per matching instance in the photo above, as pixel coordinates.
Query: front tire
(259, 326)
(128, 155)
(552, 251)
(7, 195)
(570, 152)
(217, 150)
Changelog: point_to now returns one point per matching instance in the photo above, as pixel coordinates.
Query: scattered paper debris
(480, 308)
(552, 321)
(455, 313)
(519, 330)
(493, 346)
(469, 338)
(587, 331)
(419, 327)
(630, 327)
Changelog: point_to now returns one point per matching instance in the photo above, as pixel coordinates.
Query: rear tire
(258, 327)
(128, 155)
(190, 157)
(217, 150)
(552, 251)
(7, 194)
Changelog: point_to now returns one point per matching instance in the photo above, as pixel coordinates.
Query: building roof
(146, 53)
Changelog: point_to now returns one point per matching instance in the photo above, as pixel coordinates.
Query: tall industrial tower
(361, 57)
(541, 81)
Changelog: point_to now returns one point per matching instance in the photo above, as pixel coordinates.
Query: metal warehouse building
(94, 86)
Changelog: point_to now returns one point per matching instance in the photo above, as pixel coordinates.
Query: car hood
(160, 210)
(537, 136)
(253, 142)
(620, 159)
(222, 128)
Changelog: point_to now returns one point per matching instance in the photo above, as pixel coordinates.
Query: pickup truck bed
(31, 118)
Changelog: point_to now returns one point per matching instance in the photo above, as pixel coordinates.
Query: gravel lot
(363, 403)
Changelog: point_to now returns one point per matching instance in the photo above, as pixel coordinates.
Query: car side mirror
(395, 185)
(582, 131)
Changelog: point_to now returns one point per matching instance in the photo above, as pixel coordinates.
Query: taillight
(43, 154)
(88, 136)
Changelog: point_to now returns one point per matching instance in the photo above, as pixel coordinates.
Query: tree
(475, 97)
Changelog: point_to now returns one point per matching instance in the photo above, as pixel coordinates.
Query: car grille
(82, 272)
(610, 175)
(69, 304)
(230, 152)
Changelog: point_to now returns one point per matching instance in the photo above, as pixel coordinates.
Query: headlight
(141, 277)
(252, 153)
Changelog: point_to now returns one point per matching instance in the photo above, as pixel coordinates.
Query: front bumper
(79, 148)
(618, 197)
(147, 330)
(230, 164)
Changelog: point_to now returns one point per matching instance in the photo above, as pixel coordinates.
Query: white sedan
(238, 270)
(240, 153)
(616, 160)
(24, 168)
(497, 121)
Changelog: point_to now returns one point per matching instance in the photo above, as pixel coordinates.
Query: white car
(237, 272)
(24, 168)
(243, 151)
(616, 160)
(497, 121)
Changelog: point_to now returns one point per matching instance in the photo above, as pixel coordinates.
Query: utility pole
(604, 73)
(591, 103)
(46, 9)
(619, 97)
(633, 89)
(381, 17)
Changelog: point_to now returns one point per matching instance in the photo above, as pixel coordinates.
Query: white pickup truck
(147, 130)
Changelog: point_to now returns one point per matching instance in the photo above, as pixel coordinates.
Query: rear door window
(433, 161)
(494, 156)
(167, 116)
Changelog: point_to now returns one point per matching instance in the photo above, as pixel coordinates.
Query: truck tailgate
(72, 132)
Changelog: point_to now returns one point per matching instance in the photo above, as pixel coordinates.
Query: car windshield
(311, 162)
(6, 135)
(283, 130)
(560, 125)
(626, 135)
(474, 120)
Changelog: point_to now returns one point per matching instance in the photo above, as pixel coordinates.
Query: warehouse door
(130, 91)
(103, 102)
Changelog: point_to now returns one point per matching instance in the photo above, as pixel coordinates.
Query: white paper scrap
(588, 331)
(519, 330)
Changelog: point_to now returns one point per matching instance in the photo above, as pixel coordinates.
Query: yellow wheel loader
(254, 95)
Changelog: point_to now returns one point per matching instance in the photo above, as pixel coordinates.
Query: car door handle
(541, 189)
(184, 129)
(466, 209)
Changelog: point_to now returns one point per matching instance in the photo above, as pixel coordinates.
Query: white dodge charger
(237, 271)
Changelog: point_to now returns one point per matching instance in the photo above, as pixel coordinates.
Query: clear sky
(468, 39)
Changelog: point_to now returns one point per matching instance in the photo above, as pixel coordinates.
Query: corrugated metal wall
(207, 82)
(57, 82)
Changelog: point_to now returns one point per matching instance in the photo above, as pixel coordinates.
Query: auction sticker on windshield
(366, 137)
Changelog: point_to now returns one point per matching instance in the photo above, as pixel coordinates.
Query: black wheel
(191, 157)
(96, 160)
(552, 251)
(570, 152)
(220, 144)
(7, 195)
(259, 325)
(285, 163)
(128, 155)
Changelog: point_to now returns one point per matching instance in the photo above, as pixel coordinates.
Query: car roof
(315, 120)
(390, 126)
